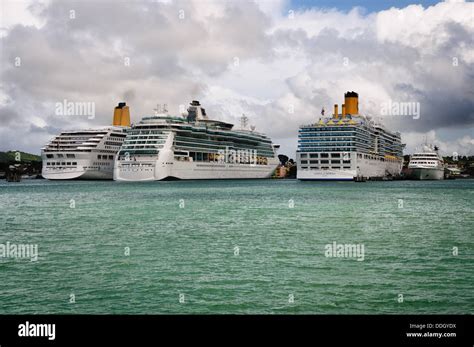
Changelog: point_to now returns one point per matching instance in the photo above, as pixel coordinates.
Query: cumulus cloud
(276, 64)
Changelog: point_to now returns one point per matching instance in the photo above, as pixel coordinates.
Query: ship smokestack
(122, 115)
(336, 115)
(125, 120)
(343, 111)
(351, 100)
(117, 115)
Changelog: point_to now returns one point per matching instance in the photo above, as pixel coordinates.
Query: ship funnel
(336, 115)
(122, 115)
(196, 112)
(351, 100)
(343, 111)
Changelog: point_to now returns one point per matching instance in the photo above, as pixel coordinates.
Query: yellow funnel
(117, 116)
(351, 100)
(125, 119)
(122, 115)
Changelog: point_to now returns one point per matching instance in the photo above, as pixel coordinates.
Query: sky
(368, 5)
(279, 62)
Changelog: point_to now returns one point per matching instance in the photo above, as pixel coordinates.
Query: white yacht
(86, 154)
(348, 146)
(163, 147)
(427, 164)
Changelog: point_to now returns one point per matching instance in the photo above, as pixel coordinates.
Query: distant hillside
(10, 156)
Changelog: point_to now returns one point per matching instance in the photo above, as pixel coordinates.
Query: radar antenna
(244, 121)
(160, 109)
(157, 109)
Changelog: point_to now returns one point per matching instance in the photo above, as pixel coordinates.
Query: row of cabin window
(60, 155)
(104, 156)
(324, 167)
(59, 163)
(325, 162)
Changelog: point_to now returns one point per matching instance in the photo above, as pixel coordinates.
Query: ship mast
(244, 120)
(161, 109)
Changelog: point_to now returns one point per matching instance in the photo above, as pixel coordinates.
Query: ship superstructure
(193, 147)
(427, 164)
(86, 154)
(347, 146)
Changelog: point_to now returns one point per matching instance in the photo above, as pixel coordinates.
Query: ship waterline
(153, 170)
(84, 169)
(427, 174)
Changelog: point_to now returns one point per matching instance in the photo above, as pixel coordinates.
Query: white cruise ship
(86, 154)
(348, 146)
(427, 164)
(193, 147)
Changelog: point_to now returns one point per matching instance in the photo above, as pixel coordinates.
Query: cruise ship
(427, 164)
(86, 154)
(348, 146)
(163, 147)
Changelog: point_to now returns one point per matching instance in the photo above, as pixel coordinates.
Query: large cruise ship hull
(367, 168)
(427, 174)
(326, 175)
(156, 171)
(80, 169)
(79, 175)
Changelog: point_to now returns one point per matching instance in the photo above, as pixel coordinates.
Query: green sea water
(252, 246)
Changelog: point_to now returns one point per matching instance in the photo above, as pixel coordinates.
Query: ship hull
(184, 170)
(427, 174)
(326, 175)
(79, 175)
(366, 168)
(80, 168)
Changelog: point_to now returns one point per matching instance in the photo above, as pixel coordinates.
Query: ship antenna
(244, 121)
(157, 109)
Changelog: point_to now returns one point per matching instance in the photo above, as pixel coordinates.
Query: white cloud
(462, 146)
(417, 26)
(23, 12)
